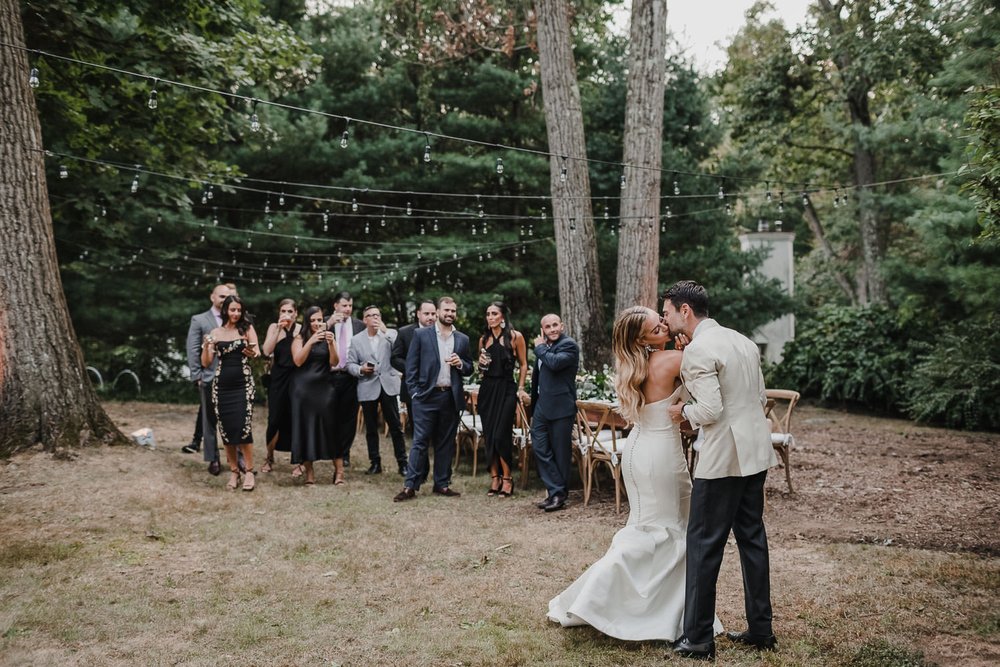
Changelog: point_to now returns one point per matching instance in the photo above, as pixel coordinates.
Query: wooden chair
(470, 429)
(522, 441)
(782, 403)
(599, 434)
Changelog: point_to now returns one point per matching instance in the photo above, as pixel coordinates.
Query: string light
(805, 199)
(151, 103)
(677, 187)
(254, 120)
(499, 165)
(427, 148)
(135, 180)
(63, 171)
(767, 195)
(669, 214)
(326, 219)
(33, 79)
(382, 221)
(722, 193)
(781, 201)
(346, 135)
(562, 173)
(622, 184)
(354, 204)
(409, 209)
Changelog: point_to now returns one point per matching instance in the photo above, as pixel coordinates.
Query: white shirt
(446, 347)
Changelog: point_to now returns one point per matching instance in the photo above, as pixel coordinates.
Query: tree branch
(809, 213)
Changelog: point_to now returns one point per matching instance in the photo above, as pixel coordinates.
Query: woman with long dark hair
(500, 349)
(233, 387)
(314, 351)
(278, 346)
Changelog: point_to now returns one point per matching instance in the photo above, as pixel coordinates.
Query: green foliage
(882, 653)
(957, 381)
(850, 355)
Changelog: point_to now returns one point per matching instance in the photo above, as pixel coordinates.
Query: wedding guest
(202, 325)
(345, 385)
(278, 346)
(314, 351)
(553, 400)
(721, 371)
(378, 386)
(437, 361)
(235, 343)
(500, 349)
(636, 590)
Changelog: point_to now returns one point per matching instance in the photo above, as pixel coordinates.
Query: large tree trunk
(576, 245)
(638, 244)
(45, 394)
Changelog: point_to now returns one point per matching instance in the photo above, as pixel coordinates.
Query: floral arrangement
(598, 385)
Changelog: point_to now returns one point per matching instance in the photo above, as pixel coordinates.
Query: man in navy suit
(438, 358)
(553, 397)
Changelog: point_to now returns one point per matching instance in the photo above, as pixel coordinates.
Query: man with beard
(438, 358)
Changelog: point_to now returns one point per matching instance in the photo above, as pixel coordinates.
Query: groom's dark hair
(691, 293)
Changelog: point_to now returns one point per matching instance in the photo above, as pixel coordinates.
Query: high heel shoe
(234, 480)
(494, 490)
(509, 483)
(249, 481)
(268, 464)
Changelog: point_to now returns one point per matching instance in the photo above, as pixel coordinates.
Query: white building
(779, 264)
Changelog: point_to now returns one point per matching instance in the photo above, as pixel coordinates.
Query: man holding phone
(369, 360)
(438, 359)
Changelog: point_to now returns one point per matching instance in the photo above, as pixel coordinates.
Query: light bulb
(33, 80)
(805, 199)
(354, 204)
(254, 122)
(152, 104)
(409, 209)
(326, 216)
(270, 223)
(135, 184)
(210, 194)
(63, 171)
(436, 225)
(281, 199)
(367, 230)
(607, 214)
(677, 188)
(267, 206)
(562, 174)
(499, 165)
(343, 139)
(722, 193)
(572, 224)
(729, 209)
(543, 214)
(427, 152)
(669, 214)
(481, 212)
(623, 180)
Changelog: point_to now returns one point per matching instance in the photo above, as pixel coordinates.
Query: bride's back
(662, 377)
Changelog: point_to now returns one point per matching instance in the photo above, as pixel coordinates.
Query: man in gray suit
(202, 324)
(721, 372)
(369, 359)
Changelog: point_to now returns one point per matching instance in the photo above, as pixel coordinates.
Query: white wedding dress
(636, 590)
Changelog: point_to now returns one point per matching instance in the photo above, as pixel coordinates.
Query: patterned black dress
(498, 402)
(279, 395)
(233, 393)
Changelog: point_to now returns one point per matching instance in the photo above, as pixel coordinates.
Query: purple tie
(342, 345)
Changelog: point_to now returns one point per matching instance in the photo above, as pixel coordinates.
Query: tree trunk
(576, 244)
(45, 394)
(638, 243)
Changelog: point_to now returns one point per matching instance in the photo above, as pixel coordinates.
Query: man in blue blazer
(553, 397)
(438, 358)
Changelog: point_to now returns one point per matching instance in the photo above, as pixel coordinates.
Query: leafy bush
(958, 382)
(848, 354)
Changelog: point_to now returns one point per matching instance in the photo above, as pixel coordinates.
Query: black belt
(442, 388)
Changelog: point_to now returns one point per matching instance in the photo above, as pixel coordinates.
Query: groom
(721, 371)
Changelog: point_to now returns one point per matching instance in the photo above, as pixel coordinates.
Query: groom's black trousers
(718, 506)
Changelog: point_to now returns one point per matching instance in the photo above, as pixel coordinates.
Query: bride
(636, 590)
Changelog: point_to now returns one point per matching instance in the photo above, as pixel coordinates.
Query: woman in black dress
(314, 351)
(278, 345)
(233, 388)
(500, 347)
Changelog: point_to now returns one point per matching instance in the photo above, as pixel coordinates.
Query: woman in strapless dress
(636, 590)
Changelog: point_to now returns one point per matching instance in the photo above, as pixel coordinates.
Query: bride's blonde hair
(631, 360)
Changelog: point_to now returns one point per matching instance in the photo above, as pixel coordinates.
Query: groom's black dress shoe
(688, 649)
(759, 642)
(375, 469)
(542, 503)
(556, 503)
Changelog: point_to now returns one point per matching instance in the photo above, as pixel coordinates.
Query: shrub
(958, 382)
(848, 354)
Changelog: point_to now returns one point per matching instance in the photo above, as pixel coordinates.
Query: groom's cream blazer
(721, 372)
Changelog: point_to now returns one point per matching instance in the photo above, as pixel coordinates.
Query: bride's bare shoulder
(664, 368)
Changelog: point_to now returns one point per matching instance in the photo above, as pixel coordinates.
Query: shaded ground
(127, 556)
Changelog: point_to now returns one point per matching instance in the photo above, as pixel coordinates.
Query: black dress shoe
(375, 469)
(446, 491)
(402, 469)
(542, 503)
(688, 649)
(214, 468)
(406, 494)
(192, 448)
(759, 642)
(556, 503)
